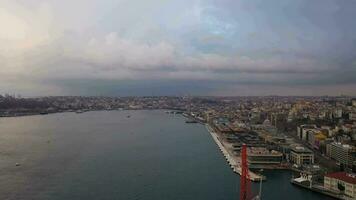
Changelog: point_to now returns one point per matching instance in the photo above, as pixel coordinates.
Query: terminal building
(260, 156)
(341, 182)
(301, 156)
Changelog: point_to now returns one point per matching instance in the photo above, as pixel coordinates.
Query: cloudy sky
(178, 47)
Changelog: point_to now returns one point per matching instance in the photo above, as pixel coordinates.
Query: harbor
(232, 160)
(263, 153)
(304, 183)
(328, 188)
(131, 162)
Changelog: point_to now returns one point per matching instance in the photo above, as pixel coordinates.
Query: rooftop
(349, 178)
(300, 149)
(262, 151)
(345, 146)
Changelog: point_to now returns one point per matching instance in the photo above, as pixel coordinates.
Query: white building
(301, 156)
(343, 153)
(341, 182)
(302, 131)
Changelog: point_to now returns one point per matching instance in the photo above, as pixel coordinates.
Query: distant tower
(245, 185)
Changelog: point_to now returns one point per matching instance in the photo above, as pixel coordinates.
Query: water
(106, 155)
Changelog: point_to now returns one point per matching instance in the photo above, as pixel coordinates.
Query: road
(319, 158)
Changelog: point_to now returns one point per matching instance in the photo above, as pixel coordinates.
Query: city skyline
(199, 47)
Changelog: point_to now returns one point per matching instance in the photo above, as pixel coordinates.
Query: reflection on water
(106, 155)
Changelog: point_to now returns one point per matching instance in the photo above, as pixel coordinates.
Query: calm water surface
(108, 156)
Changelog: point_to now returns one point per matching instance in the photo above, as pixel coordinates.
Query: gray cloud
(199, 43)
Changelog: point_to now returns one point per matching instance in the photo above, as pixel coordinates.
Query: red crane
(245, 184)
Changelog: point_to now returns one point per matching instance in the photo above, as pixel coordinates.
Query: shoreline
(22, 114)
(233, 162)
(320, 190)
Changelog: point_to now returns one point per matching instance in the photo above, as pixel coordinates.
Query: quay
(233, 162)
(318, 189)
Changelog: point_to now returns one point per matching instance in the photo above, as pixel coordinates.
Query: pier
(231, 159)
(318, 189)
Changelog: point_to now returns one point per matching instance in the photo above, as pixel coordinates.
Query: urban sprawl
(313, 136)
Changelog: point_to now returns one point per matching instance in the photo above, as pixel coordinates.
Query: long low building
(262, 156)
(341, 182)
(343, 153)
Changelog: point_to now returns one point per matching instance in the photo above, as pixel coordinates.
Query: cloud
(45, 42)
(114, 57)
(23, 29)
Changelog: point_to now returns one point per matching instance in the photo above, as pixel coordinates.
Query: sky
(178, 47)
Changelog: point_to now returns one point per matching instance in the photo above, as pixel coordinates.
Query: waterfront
(106, 155)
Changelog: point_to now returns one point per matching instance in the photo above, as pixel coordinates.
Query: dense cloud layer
(220, 48)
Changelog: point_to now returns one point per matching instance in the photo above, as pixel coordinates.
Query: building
(341, 182)
(302, 131)
(353, 102)
(343, 153)
(337, 113)
(301, 156)
(315, 138)
(262, 156)
(328, 130)
(352, 116)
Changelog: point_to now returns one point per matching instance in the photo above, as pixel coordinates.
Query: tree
(341, 187)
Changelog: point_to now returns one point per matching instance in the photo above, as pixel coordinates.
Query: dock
(319, 189)
(233, 162)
